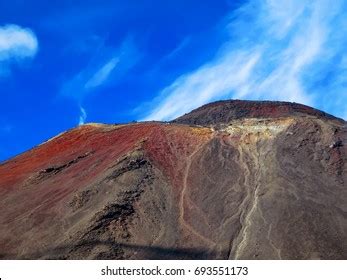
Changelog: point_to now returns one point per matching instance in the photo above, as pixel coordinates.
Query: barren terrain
(231, 180)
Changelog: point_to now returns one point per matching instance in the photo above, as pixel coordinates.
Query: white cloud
(89, 79)
(210, 81)
(178, 49)
(278, 50)
(83, 116)
(105, 65)
(103, 69)
(17, 42)
(102, 74)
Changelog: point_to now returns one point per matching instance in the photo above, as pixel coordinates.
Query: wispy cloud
(86, 82)
(278, 50)
(210, 81)
(103, 69)
(179, 48)
(102, 74)
(16, 43)
(83, 116)
(89, 79)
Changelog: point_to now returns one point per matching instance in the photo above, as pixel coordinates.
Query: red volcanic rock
(254, 180)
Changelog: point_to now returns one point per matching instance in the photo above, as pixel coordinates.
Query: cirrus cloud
(107, 65)
(277, 50)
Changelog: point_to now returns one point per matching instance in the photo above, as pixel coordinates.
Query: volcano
(230, 180)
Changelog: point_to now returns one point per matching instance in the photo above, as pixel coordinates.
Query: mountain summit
(230, 180)
(229, 110)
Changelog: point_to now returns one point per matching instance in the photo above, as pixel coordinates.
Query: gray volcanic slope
(230, 180)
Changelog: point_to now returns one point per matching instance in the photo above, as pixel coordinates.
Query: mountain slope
(233, 179)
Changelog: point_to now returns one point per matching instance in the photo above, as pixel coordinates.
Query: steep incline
(270, 187)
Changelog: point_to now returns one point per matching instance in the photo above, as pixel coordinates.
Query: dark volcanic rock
(226, 111)
(230, 180)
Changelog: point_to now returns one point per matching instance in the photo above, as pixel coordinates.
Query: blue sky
(64, 63)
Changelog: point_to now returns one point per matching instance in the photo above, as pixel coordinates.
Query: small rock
(336, 144)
